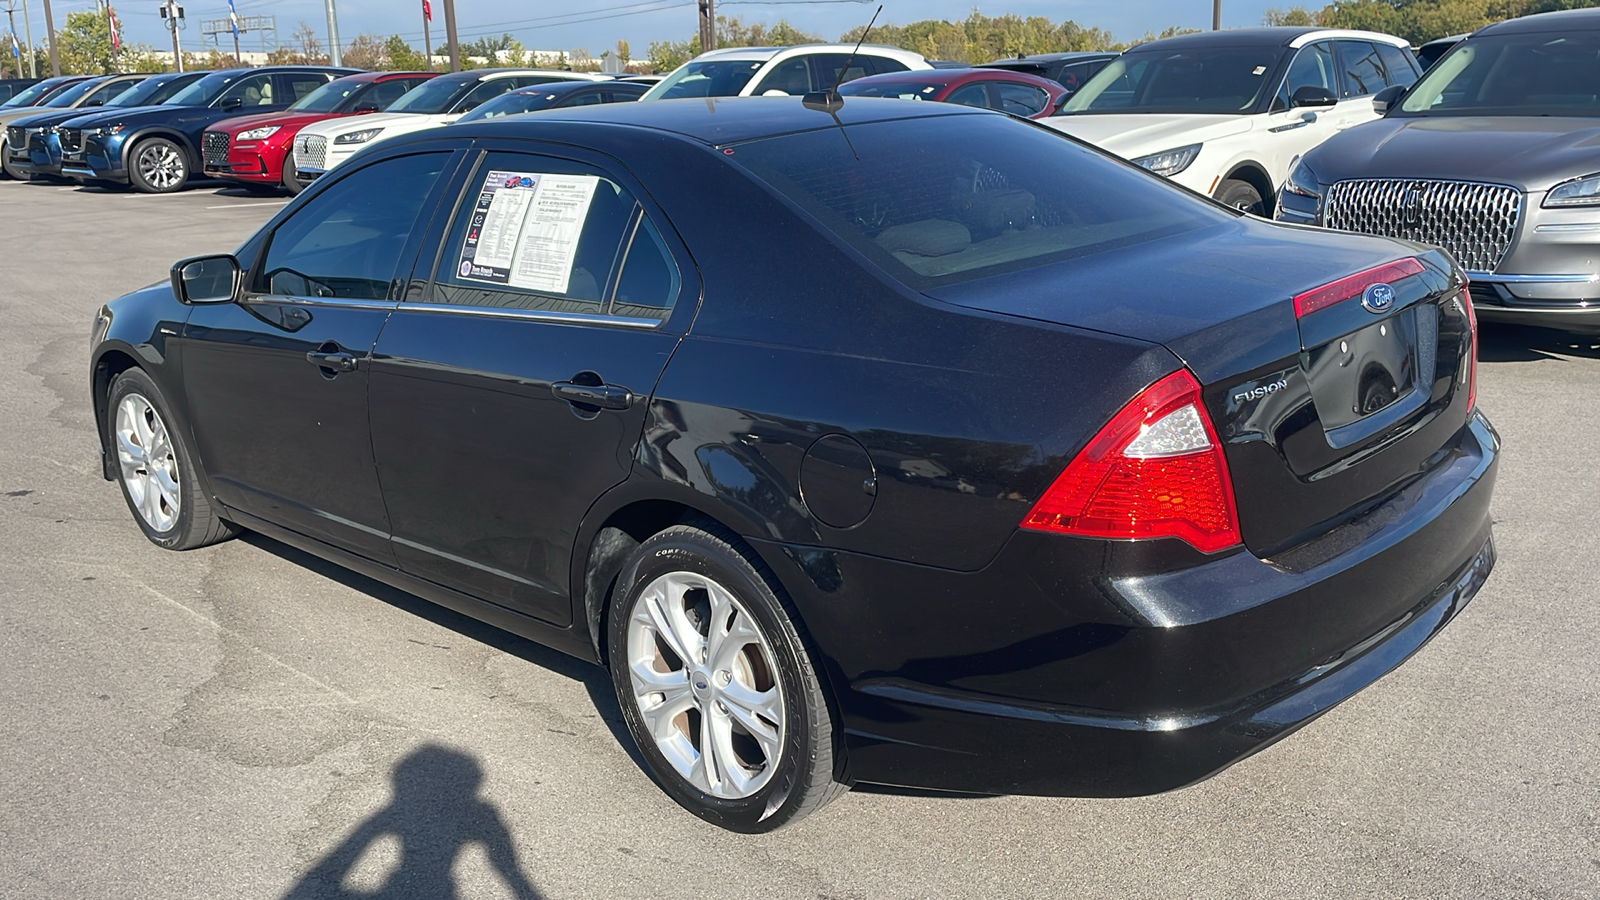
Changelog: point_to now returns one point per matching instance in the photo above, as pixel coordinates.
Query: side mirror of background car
(1389, 96)
(1311, 95)
(231, 103)
(367, 107)
(206, 279)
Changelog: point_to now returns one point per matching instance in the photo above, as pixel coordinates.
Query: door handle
(605, 396)
(338, 361)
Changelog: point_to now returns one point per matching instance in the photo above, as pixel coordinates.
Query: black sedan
(890, 443)
(557, 95)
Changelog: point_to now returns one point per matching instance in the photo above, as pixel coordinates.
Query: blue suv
(34, 148)
(157, 148)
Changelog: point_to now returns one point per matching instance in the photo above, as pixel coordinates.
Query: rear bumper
(1031, 677)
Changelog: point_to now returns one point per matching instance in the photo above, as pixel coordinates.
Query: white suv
(1227, 113)
(437, 101)
(771, 71)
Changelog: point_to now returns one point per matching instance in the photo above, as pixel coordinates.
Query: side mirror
(206, 279)
(1062, 102)
(367, 107)
(231, 103)
(95, 102)
(1389, 96)
(1312, 96)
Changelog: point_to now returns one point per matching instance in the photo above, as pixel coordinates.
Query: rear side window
(1401, 65)
(950, 198)
(346, 242)
(970, 95)
(882, 65)
(302, 84)
(830, 70)
(552, 235)
(1361, 71)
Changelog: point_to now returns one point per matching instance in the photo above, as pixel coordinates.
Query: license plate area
(1368, 380)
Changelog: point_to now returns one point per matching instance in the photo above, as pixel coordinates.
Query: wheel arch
(107, 366)
(161, 131)
(1254, 174)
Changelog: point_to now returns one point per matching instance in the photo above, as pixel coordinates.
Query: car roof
(953, 76)
(763, 54)
(568, 87)
(1053, 57)
(1564, 20)
(384, 76)
(1267, 36)
(470, 75)
(717, 121)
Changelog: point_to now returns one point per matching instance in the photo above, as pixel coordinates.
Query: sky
(601, 23)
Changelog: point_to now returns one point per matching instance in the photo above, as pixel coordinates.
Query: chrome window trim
(496, 312)
(336, 302)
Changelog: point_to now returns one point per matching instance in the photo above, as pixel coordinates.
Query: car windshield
(153, 91)
(73, 94)
(207, 89)
(1195, 80)
(30, 94)
(715, 78)
(433, 97)
(903, 88)
(508, 105)
(939, 200)
(1544, 74)
(331, 97)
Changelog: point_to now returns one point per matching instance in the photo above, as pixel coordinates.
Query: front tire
(290, 182)
(156, 469)
(158, 166)
(11, 170)
(1241, 195)
(716, 686)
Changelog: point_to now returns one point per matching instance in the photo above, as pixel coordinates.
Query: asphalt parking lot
(247, 721)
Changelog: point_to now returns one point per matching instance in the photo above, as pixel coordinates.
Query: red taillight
(1155, 470)
(1352, 286)
(1472, 358)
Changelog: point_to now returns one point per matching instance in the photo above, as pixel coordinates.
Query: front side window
(1020, 99)
(483, 93)
(109, 92)
(830, 71)
(1195, 80)
(1401, 65)
(1312, 67)
(1363, 72)
(385, 93)
(969, 95)
(255, 90)
(945, 199)
(346, 242)
(551, 235)
(1542, 74)
(302, 85)
(791, 76)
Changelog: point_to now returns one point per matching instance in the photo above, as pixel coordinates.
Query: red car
(1018, 93)
(254, 150)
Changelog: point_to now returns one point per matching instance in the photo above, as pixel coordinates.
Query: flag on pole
(427, 11)
(116, 29)
(233, 18)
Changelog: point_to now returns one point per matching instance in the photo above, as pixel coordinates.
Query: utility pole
(450, 35)
(1216, 15)
(333, 35)
(50, 37)
(708, 25)
(173, 13)
(11, 13)
(27, 28)
(427, 38)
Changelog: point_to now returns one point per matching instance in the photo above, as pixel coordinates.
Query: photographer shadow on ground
(435, 814)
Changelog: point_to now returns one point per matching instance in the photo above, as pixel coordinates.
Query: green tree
(366, 52)
(83, 45)
(402, 57)
(668, 55)
(1294, 15)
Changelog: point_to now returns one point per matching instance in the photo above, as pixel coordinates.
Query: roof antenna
(829, 101)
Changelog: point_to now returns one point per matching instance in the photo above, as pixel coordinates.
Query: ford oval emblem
(1377, 298)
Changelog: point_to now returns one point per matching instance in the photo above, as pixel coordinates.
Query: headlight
(259, 134)
(1303, 182)
(357, 137)
(1583, 191)
(107, 129)
(1169, 162)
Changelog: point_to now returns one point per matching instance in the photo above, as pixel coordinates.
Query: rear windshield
(1513, 75)
(943, 199)
(1196, 80)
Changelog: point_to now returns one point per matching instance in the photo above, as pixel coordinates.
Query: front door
(1291, 130)
(510, 390)
(277, 382)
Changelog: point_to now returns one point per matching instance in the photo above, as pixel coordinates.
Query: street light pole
(333, 35)
(1216, 15)
(450, 34)
(50, 36)
(27, 28)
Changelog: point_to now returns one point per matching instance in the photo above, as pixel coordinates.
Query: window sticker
(524, 230)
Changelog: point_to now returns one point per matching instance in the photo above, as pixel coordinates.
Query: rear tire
(1241, 195)
(290, 182)
(156, 469)
(716, 686)
(158, 166)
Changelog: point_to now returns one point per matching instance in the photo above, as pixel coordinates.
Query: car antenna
(829, 101)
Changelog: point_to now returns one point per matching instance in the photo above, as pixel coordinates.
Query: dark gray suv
(1493, 155)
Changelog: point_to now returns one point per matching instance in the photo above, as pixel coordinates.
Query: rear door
(277, 382)
(509, 389)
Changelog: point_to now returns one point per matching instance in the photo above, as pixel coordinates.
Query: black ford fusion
(909, 444)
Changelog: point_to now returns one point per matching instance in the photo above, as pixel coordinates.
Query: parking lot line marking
(249, 205)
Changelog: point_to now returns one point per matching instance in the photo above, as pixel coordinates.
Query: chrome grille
(214, 146)
(71, 139)
(16, 138)
(1474, 222)
(311, 151)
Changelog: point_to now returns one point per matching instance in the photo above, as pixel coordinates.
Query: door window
(971, 95)
(827, 66)
(386, 92)
(253, 91)
(1312, 66)
(882, 64)
(346, 242)
(1074, 76)
(302, 83)
(1362, 73)
(792, 76)
(1401, 65)
(552, 236)
(483, 93)
(1020, 99)
(586, 98)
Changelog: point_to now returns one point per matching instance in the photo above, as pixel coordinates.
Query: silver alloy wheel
(161, 166)
(149, 466)
(706, 684)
